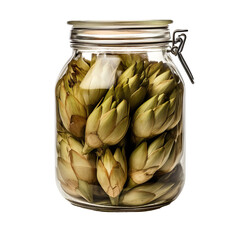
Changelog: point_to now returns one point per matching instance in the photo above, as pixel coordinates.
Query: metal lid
(119, 32)
(119, 24)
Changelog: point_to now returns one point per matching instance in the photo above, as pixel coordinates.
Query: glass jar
(120, 117)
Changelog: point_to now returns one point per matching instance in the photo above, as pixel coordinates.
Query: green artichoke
(150, 117)
(77, 69)
(81, 69)
(163, 83)
(107, 124)
(179, 104)
(152, 69)
(133, 90)
(162, 189)
(128, 73)
(174, 157)
(112, 172)
(171, 194)
(145, 193)
(71, 110)
(76, 172)
(176, 116)
(176, 177)
(158, 114)
(147, 158)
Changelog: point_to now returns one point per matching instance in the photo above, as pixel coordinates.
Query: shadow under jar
(120, 118)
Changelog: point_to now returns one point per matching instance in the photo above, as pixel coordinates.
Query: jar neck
(118, 49)
(120, 38)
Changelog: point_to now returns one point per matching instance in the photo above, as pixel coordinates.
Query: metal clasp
(177, 47)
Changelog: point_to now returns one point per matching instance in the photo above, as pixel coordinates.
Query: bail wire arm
(177, 48)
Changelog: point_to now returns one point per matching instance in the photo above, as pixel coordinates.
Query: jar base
(102, 208)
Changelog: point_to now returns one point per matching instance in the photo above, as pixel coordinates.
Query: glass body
(120, 128)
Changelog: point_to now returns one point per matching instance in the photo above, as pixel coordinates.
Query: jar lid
(119, 32)
(119, 24)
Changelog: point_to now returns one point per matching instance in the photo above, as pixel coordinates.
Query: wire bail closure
(177, 47)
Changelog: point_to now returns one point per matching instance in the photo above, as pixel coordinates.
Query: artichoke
(107, 124)
(112, 172)
(162, 189)
(100, 77)
(147, 158)
(150, 117)
(171, 194)
(145, 193)
(175, 117)
(176, 176)
(174, 157)
(71, 110)
(163, 83)
(77, 69)
(131, 84)
(158, 114)
(133, 90)
(153, 69)
(76, 172)
(128, 73)
(81, 69)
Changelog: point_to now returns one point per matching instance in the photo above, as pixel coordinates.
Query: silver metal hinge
(178, 43)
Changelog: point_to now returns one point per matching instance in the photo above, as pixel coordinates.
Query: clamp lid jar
(120, 116)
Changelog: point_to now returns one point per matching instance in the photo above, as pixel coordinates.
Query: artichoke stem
(131, 184)
(114, 200)
(86, 149)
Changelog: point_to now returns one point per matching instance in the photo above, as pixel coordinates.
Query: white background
(34, 45)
